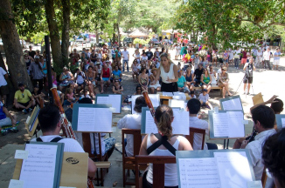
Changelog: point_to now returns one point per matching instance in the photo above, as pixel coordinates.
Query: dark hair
(20, 85)
(77, 69)
(142, 69)
(48, 118)
(277, 107)
(264, 115)
(138, 86)
(273, 152)
(140, 102)
(194, 106)
(163, 116)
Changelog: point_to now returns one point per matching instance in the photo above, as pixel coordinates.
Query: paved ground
(265, 81)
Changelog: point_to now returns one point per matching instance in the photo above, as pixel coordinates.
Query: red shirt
(106, 73)
(244, 54)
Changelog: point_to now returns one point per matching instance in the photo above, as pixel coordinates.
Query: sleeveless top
(106, 73)
(165, 75)
(206, 79)
(171, 178)
(188, 78)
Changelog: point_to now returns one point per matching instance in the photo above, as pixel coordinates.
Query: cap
(204, 90)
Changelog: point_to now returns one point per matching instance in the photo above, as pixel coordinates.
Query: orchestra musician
(50, 123)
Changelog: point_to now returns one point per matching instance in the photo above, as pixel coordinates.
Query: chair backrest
(158, 168)
(137, 139)
(194, 131)
(86, 141)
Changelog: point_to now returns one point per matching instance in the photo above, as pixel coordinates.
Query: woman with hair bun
(169, 144)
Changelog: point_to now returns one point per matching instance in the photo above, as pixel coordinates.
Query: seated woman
(117, 88)
(66, 78)
(135, 69)
(182, 83)
(189, 78)
(91, 81)
(163, 119)
(224, 81)
(138, 90)
(213, 76)
(143, 79)
(105, 77)
(206, 80)
(70, 100)
(6, 119)
(154, 85)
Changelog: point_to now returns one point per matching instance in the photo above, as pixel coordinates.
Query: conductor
(248, 77)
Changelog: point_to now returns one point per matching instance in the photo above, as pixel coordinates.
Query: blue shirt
(117, 74)
(2, 114)
(181, 81)
(277, 53)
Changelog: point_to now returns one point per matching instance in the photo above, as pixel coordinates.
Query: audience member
(4, 90)
(36, 71)
(117, 88)
(181, 83)
(206, 80)
(23, 99)
(66, 78)
(105, 77)
(204, 98)
(223, 81)
(135, 69)
(197, 75)
(6, 118)
(154, 85)
(143, 79)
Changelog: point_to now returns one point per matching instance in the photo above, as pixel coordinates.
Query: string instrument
(149, 103)
(66, 128)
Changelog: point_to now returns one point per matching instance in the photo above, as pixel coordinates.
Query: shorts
(24, 104)
(225, 60)
(247, 80)
(105, 79)
(4, 90)
(243, 61)
(276, 62)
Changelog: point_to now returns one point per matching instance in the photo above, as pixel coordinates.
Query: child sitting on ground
(182, 83)
(117, 88)
(204, 99)
(192, 95)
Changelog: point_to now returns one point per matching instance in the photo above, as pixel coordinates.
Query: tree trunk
(12, 47)
(114, 35)
(54, 36)
(96, 33)
(118, 29)
(65, 30)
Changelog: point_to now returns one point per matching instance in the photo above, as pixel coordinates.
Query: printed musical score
(232, 104)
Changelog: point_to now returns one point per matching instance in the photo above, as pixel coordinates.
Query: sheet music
(236, 128)
(233, 168)
(254, 184)
(232, 104)
(180, 124)
(155, 100)
(150, 126)
(220, 124)
(176, 103)
(179, 95)
(283, 122)
(39, 169)
(168, 94)
(94, 120)
(198, 173)
(113, 100)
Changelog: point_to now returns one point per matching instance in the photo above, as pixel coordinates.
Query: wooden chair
(86, 140)
(129, 162)
(158, 168)
(194, 131)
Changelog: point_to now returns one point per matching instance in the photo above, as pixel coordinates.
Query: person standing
(266, 58)
(125, 59)
(276, 58)
(248, 77)
(244, 57)
(36, 70)
(169, 74)
(236, 57)
(4, 90)
(149, 54)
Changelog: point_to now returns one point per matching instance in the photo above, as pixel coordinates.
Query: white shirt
(266, 55)
(125, 55)
(167, 75)
(204, 98)
(144, 58)
(2, 78)
(70, 145)
(255, 152)
(130, 121)
(195, 122)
